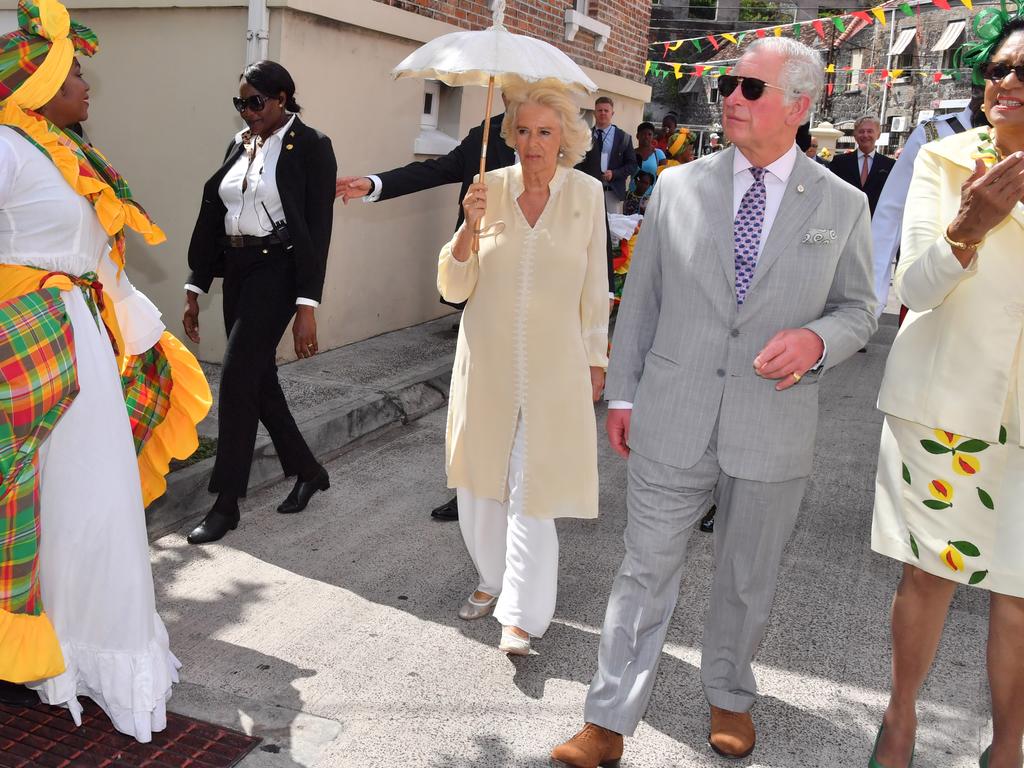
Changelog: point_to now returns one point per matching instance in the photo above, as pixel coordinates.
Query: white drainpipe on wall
(257, 36)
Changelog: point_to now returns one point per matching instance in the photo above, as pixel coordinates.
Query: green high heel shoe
(983, 760)
(873, 762)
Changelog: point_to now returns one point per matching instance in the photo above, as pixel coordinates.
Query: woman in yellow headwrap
(679, 149)
(95, 397)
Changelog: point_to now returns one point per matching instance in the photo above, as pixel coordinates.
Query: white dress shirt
(775, 181)
(249, 192)
(606, 145)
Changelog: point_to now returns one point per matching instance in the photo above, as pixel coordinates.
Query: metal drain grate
(46, 737)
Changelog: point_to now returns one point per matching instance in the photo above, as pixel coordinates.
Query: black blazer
(846, 168)
(306, 170)
(621, 162)
(460, 165)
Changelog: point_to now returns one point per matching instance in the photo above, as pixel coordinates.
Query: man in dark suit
(460, 165)
(617, 156)
(865, 169)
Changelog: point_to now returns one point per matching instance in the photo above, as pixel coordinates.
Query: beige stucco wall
(161, 89)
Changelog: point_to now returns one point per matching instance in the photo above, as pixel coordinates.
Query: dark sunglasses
(751, 87)
(998, 72)
(252, 103)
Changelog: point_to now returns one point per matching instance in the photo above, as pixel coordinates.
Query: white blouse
(247, 208)
(45, 224)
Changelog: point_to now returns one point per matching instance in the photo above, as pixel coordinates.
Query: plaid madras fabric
(147, 384)
(38, 381)
(23, 51)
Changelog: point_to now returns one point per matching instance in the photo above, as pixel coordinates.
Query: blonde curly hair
(576, 137)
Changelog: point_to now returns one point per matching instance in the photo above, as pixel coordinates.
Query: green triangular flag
(696, 43)
(796, 30)
(906, 9)
(839, 23)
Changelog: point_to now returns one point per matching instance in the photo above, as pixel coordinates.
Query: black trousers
(259, 302)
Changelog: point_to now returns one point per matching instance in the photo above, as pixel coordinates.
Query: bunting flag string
(840, 22)
(663, 69)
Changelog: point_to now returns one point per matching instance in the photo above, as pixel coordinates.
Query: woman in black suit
(265, 227)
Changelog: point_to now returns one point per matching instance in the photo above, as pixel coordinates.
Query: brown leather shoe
(732, 733)
(593, 747)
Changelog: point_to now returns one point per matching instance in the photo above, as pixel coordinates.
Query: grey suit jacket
(683, 351)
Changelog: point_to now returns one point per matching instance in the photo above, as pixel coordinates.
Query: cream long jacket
(951, 365)
(536, 319)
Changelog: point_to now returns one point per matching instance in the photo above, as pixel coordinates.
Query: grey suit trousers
(754, 521)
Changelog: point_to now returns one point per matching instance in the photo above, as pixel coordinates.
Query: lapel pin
(292, 146)
(799, 187)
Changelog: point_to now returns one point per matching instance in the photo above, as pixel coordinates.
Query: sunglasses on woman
(252, 103)
(998, 72)
(751, 87)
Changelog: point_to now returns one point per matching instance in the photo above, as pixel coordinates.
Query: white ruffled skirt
(95, 573)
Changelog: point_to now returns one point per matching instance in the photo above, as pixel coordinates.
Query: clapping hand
(986, 199)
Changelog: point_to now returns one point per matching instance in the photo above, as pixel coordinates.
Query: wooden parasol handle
(483, 155)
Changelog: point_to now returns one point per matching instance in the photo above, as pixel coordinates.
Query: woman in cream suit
(530, 361)
(950, 489)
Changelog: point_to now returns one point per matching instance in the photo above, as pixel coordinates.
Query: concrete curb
(329, 432)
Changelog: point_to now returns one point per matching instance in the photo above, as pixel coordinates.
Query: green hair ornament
(988, 27)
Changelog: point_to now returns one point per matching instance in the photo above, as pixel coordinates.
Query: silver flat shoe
(513, 644)
(474, 609)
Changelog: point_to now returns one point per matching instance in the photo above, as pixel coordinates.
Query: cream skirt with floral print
(953, 505)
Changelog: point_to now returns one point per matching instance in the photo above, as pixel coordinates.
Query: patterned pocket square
(820, 236)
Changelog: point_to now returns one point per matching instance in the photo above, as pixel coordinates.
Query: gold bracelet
(961, 246)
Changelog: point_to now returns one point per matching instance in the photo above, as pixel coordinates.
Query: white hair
(803, 73)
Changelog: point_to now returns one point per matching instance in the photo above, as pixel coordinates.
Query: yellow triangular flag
(675, 45)
(895, 73)
(778, 31)
(728, 36)
(879, 14)
(830, 68)
(968, 4)
(647, 68)
(676, 67)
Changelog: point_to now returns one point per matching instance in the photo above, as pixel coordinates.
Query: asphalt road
(333, 633)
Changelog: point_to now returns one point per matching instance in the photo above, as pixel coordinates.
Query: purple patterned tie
(746, 229)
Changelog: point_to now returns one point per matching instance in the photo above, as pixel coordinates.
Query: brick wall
(623, 55)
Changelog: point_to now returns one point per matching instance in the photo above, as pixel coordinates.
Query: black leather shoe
(15, 695)
(216, 524)
(303, 492)
(707, 523)
(447, 511)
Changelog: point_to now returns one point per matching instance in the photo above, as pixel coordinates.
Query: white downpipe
(257, 36)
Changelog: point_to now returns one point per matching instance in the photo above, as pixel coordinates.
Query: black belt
(247, 241)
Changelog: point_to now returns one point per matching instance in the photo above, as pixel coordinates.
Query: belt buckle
(236, 241)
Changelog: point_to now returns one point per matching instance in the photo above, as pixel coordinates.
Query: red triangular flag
(713, 41)
(869, 71)
(760, 33)
(863, 16)
(831, 87)
(819, 28)
(943, 4)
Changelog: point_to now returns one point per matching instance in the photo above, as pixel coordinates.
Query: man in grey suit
(751, 277)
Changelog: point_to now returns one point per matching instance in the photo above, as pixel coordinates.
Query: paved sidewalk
(332, 634)
(337, 397)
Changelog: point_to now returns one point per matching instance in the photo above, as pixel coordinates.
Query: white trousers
(515, 555)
